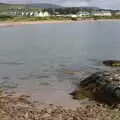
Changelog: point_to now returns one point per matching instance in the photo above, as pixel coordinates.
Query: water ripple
(11, 63)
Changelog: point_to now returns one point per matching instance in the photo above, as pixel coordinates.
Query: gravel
(14, 107)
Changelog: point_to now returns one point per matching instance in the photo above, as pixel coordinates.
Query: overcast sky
(115, 4)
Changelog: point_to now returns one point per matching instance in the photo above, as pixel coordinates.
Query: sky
(114, 4)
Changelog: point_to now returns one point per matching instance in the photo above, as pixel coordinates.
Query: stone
(103, 84)
(112, 63)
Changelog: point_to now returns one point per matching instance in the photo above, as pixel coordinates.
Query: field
(6, 7)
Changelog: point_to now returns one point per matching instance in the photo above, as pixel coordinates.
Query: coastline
(12, 23)
(7, 23)
(20, 105)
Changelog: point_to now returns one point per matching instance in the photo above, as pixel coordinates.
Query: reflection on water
(6, 26)
(11, 63)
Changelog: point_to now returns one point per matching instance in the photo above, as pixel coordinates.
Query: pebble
(88, 111)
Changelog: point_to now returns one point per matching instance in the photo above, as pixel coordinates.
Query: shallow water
(47, 60)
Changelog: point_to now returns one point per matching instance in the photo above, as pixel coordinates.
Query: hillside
(87, 7)
(4, 6)
(43, 5)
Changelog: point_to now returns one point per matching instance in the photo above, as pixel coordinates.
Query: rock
(112, 63)
(103, 85)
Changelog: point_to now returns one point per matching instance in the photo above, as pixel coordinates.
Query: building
(46, 14)
(35, 14)
(31, 13)
(102, 13)
(41, 14)
(27, 13)
(117, 13)
(23, 13)
(70, 15)
(83, 14)
(74, 16)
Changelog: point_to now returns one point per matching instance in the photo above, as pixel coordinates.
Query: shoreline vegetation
(10, 20)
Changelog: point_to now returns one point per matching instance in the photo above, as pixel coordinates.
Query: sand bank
(33, 22)
(9, 23)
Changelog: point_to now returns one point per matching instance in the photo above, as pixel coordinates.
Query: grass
(106, 17)
(25, 18)
(19, 18)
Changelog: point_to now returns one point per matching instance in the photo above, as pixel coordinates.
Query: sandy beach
(33, 22)
(10, 23)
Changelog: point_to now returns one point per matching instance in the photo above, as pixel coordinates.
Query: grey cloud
(106, 3)
(99, 3)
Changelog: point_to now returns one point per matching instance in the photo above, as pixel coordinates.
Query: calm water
(34, 58)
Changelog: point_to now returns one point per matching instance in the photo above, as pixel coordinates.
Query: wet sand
(57, 94)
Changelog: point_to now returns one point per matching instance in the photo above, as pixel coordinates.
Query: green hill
(4, 6)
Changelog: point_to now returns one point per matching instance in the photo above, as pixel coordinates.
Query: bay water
(46, 61)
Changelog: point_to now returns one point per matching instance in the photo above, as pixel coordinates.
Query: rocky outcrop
(104, 86)
(112, 63)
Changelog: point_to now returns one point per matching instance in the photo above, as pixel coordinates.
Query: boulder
(112, 63)
(103, 85)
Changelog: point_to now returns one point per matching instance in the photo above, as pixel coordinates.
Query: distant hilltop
(45, 5)
(87, 7)
(39, 5)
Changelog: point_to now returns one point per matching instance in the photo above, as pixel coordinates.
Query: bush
(74, 19)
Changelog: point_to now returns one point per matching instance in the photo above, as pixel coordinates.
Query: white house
(70, 15)
(31, 13)
(41, 14)
(46, 14)
(102, 13)
(74, 16)
(83, 14)
(27, 13)
(23, 13)
(36, 14)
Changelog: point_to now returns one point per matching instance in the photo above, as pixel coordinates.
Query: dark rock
(104, 86)
(113, 63)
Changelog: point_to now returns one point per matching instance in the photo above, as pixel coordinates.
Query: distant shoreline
(7, 23)
(10, 23)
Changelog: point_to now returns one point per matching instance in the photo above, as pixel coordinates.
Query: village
(31, 12)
